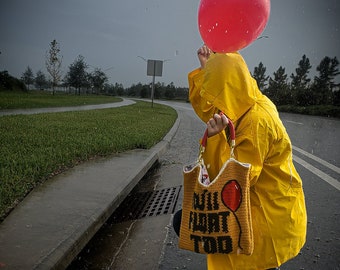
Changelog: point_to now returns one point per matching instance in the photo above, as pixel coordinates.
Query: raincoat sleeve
(204, 109)
(216, 152)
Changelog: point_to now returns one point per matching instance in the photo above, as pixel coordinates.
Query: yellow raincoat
(277, 200)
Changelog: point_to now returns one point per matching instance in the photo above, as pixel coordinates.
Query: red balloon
(230, 25)
(232, 195)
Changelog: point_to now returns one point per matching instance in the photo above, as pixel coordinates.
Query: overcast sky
(111, 34)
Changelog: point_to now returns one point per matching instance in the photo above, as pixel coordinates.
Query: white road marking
(321, 161)
(330, 180)
(293, 122)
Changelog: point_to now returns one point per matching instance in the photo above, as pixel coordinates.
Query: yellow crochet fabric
(216, 218)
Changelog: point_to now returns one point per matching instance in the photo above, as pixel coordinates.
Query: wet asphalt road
(150, 243)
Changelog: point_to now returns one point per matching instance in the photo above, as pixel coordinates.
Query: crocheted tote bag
(216, 217)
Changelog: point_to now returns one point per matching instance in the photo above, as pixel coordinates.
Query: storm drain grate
(161, 202)
(146, 204)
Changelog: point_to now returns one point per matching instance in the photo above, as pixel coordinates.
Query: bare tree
(53, 63)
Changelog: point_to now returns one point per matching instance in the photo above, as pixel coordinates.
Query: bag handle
(232, 137)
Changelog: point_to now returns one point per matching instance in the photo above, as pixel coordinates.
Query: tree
(159, 90)
(278, 89)
(324, 84)
(8, 82)
(300, 80)
(300, 83)
(40, 80)
(114, 90)
(98, 78)
(77, 75)
(53, 63)
(182, 93)
(135, 90)
(170, 91)
(28, 77)
(260, 77)
(119, 88)
(145, 92)
(336, 99)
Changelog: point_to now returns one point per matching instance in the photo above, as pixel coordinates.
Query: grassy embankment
(36, 147)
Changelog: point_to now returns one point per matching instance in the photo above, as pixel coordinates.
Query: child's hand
(216, 124)
(203, 54)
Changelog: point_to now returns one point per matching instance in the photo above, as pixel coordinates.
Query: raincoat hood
(228, 85)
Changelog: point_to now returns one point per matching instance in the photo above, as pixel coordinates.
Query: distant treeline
(295, 93)
(301, 90)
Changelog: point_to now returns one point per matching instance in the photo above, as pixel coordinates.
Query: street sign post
(154, 68)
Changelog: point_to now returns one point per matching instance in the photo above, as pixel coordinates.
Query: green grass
(36, 147)
(42, 99)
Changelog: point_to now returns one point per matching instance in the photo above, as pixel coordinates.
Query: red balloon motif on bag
(230, 25)
(232, 198)
(232, 195)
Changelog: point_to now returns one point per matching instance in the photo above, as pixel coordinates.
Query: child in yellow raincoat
(279, 220)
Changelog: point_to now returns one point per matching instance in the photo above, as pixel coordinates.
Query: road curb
(63, 256)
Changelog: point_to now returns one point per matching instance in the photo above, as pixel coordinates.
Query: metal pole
(152, 89)
(153, 83)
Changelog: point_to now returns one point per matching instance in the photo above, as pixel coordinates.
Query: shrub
(8, 82)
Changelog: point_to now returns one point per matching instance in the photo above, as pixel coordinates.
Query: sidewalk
(56, 220)
(125, 102)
